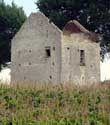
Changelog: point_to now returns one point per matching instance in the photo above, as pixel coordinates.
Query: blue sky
(28, 5)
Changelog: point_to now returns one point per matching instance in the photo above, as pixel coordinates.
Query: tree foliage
(93, 14)
(11, 19)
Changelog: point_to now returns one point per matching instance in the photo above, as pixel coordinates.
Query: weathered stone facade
(42, 52)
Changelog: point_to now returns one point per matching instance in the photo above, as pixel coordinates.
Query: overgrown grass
(54, 105)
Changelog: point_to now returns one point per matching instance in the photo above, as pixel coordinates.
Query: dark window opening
(82, 57)
(50, 77)
(48, 51)
(68, 48)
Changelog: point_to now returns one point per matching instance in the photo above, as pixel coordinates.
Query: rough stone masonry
(42, 52)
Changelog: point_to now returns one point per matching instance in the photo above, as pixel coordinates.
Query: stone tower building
(42, 52)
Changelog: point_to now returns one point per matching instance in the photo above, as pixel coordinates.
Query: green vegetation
(11, 19)
(54, 105)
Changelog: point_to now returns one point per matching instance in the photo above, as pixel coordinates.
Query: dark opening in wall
(50, 77)
(82, 58)
(68, 48)
(30, 51)
(29, 63)
(53, 63)
(54, 48)
(47, 33)
(19, 64)
(48, 51)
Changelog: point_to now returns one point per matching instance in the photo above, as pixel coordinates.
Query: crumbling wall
(29, 57)
(71, 68)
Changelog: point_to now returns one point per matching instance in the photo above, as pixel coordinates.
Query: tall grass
(45, 104)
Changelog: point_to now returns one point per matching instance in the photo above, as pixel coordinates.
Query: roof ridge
(82, 28)
(73, 26)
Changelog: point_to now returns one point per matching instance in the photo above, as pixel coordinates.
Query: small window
(82, 57)
(50, 77)
(48, 51)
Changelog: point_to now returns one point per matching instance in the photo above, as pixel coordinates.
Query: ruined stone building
(42, 52)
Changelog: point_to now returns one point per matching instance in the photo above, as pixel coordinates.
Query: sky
(28, 5)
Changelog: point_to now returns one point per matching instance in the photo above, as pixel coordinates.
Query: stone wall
(29, 56)
(71, 68)
(41, 52)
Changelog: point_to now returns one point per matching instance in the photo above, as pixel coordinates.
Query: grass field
(43, 104)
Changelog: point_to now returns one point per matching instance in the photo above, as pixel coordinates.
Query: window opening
(48, 52)
(82, 57)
